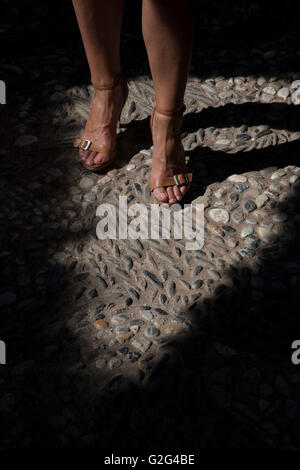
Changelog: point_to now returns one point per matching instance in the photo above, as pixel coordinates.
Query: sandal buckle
(86, 144)
(186, 178)
(178, 182)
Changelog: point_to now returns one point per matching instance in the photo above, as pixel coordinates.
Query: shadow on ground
(207, 389)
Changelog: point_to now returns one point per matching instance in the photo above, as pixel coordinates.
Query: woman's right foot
(101, 126)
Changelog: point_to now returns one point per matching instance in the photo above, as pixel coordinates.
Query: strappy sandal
(181, 179)
(85, 144)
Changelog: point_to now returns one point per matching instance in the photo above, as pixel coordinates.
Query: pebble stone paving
(120, 329)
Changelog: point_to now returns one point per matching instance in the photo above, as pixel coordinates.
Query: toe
(177, 192)
(83, 154)
(101, 158)
(98, 159)
(91, 158)
(183, 189)
(170, 192)
(160, 194)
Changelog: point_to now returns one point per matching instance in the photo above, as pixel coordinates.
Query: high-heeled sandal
(181, 179)
(85, 144)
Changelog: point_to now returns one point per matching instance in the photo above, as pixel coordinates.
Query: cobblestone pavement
(114, 343)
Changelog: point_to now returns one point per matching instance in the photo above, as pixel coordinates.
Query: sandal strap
(171, 113)
(167, 113)
(86, 144)
(181, 179)
(120, 77)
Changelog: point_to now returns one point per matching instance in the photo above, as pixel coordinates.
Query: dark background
(32, 30)
(40, 43)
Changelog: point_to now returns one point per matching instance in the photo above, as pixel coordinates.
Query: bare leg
(100, 26)
(168, 35)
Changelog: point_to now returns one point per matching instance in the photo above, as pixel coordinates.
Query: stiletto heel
(85, 144)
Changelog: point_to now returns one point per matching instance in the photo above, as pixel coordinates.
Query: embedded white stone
(261, 200)
(220, 216)
(130, 167)
(266, 235)
(295, 84)
(278, 174)
(283, 93)
(261, 81)
(296, 97)
(237, 179)
(269, 90)
(223, 142)
(220, 193)
(142, 344)
(293, 179)
(246, 231)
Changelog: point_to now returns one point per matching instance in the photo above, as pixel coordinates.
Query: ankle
(171, 120)
(166, 128)
(109, 82)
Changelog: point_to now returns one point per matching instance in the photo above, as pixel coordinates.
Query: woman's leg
(168, 35)
(100, 24)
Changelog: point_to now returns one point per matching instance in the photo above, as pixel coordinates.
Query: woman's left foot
(168, 158)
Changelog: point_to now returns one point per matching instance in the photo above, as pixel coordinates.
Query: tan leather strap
(171, 113)
(180, 180)
(85, 144)
(120, 77)
(167, 113)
